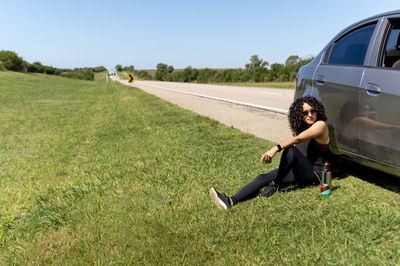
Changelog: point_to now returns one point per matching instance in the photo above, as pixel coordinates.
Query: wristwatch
(279, 147)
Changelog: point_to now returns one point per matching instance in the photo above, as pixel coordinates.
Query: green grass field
(100, 173)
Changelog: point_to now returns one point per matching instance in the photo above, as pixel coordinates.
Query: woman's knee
(260, 178)
(291, 152)
(267, 177)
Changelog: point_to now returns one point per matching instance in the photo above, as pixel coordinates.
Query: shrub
(177, 76)
(2, 66)
(88, 75)
(161, 71)
(206, 75)
(25, 66)
(130, 68)
(79, 74)
(189, 74)
(143, 75)
(11, 60)
(98, 69)
(49, 70)
(36, 67)
(244, 76)
(229, 75)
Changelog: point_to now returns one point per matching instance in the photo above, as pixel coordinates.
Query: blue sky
(214, 34)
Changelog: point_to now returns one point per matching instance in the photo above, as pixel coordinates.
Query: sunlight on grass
(100, 173)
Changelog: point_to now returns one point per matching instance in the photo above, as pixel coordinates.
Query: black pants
(293, 167)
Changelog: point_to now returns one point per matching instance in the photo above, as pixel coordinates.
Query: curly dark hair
(296, 122)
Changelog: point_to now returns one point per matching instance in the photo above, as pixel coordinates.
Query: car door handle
(320, 80)
(373, 89)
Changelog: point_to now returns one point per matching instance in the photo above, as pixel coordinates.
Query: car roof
(394, 12)
(383, 15)
(390, 13)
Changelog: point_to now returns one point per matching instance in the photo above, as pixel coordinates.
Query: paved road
(261, 123)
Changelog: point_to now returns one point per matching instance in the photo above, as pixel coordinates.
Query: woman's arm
(317, 130)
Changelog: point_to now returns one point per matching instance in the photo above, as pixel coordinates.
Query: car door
(380, 99)
(337, 82)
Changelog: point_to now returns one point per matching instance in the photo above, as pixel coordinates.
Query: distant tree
(283, 74)
(256, 62)
(168, 77)
(118, 67)
(244, 76)
(130, 68)
(49, 70)
(273, 72)
(257, 68)
(161, 66)
(292, 60)
(292, 65)
(98, 69)
(206, 75)
(79, 73)
(88, 75)
(143, 75)
(176, 76)
(36, 67)
(228, 75)
(11, 60)
(25, 65)
(170, 69)
(189, 74)
(161, 71)
(164, 72)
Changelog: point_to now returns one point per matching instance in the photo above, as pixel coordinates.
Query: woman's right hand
(268, 155)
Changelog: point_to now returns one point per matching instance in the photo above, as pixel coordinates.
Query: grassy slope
(101, 173)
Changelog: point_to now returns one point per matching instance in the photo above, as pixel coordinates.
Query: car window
(352, 47)
(391, 53)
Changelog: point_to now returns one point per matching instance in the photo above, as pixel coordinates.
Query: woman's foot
(269, 191)
(221, 200)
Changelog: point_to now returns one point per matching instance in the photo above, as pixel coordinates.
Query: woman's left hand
(268, 155)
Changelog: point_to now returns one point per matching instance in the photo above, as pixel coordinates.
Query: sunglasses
(312, 112)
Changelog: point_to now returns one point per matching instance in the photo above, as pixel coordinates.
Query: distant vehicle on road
(357, 77)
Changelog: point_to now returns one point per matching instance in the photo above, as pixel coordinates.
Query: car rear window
(351, 48)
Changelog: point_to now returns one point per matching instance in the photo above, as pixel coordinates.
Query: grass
(100, 173)
(123, 75)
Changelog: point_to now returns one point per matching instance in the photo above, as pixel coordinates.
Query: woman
(307, 122)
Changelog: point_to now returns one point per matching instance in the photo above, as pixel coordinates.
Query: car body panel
(379, 128)
(360, 100)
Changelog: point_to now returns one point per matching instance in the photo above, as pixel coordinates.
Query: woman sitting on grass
(307, 122)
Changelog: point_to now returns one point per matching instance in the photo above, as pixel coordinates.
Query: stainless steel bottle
(326, 180)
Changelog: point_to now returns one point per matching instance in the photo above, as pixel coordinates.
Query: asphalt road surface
(244, 108)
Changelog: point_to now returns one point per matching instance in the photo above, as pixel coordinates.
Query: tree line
(257, 70)
(9, 60)
(141, 74)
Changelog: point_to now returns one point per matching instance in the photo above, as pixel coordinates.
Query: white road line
(271, 109)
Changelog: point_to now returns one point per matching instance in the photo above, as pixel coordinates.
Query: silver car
(357, 77)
